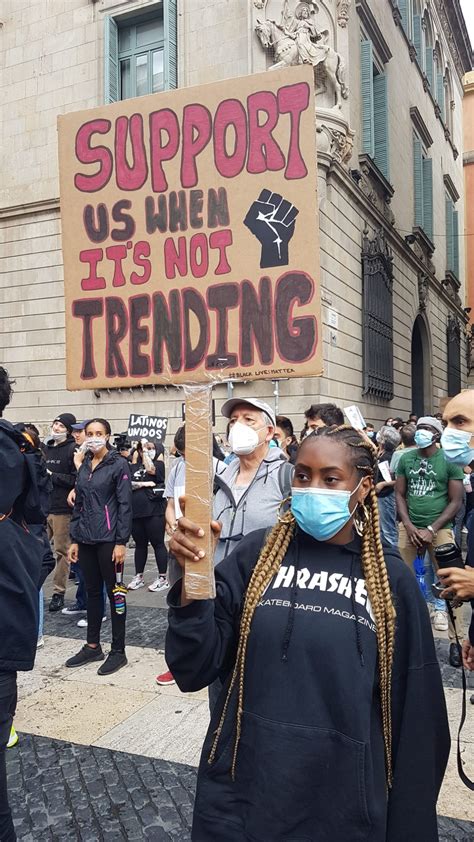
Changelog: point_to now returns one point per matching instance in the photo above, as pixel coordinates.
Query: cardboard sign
(190, 235)
(385, 471)
(150, 427)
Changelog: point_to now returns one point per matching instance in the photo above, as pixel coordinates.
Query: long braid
(377, 582)
(378, 589)
(268, 564)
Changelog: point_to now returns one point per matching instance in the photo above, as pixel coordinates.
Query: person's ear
(364, 489)
(270, 433)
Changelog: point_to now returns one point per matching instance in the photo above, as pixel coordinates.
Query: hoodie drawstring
(357, 629)
(291, 612)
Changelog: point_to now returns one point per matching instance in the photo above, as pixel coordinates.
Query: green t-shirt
(427, 484)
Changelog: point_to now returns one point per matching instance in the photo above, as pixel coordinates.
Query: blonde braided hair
(377, 583)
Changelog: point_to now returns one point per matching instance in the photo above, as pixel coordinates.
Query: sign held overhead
(190, 235)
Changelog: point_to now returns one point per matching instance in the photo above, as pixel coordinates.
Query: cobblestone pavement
(61, 791)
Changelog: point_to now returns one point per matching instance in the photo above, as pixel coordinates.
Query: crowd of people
(317, 651)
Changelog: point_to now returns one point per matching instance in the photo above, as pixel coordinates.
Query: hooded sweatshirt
(103, 508)
(59, 459)
(20, 560)
(257, 507)
(310, 763)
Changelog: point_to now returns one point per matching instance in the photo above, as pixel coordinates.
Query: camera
(122, 442)
(447, 555)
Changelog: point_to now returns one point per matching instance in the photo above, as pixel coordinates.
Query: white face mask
(59, 436)
(243, 440)
(96, 444)
(150, 453)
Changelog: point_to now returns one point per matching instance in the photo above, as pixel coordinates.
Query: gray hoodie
(258, 506)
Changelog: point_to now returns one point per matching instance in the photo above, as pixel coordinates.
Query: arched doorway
(421, 392)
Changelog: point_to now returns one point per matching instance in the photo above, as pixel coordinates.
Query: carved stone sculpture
(295, 39)
(343, 12)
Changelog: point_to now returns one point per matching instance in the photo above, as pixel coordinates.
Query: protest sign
(190, 235)
(191, 247)
(150, 427)
(355, 417)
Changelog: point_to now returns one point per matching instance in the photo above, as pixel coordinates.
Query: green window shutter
(440, 93)
(367, 91)
(456, 243)
(418, 181)
(381, 154)
(111, 77)
(170, 27)
(403, 6)
(449, 234)
(417, 36)
(427, 167)
(430, 67)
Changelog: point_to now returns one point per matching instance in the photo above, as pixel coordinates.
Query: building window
(377, 291)
(141, 53)
(454, 356)
(423, 187)
(452, 237)
(438, 93)
(405, 9)
(429, 47)
(375, 137)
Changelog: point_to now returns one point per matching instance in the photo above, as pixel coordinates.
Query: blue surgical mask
(321, 512)
(455, 444)
(423, 438)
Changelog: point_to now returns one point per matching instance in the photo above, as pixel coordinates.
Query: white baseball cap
(229, 407)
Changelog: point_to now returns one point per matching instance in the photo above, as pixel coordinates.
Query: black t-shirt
(148, 501)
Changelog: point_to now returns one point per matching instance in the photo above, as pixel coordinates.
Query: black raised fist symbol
(272, 219)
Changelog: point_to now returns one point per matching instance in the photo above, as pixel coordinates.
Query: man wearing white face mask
(59, 455)
(429, 494)
(251, 488)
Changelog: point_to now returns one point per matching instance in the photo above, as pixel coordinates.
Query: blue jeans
(430, 578)
(388, 519)
(41, 613)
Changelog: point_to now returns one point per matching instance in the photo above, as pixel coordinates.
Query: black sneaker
(73, 609)
(85, 656)
(57, 602)
(115, 661)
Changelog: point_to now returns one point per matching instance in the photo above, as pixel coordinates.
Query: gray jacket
(257, 508)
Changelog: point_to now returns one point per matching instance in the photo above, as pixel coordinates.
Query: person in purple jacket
(322, 639)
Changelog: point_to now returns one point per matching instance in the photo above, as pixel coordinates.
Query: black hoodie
(20, 560)
(310, 764)
(60, 461)
(103, 507)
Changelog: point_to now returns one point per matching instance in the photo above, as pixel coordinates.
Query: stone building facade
(388, 76)
(468, 161)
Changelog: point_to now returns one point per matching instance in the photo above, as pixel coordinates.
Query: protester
(458, 445)
(428, 494)
(407, 434)
(250, 489)
(325, 650)
(388, 439)
(21, 556)
(370, 431)
(413, 418)
(100, 528)
(285, 437)
(397, 423)
(148, 525)
(59, 455)
(322, 415)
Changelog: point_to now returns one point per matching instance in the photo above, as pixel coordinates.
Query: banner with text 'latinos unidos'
(190, 235)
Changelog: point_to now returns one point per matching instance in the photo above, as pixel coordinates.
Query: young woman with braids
(331, 726)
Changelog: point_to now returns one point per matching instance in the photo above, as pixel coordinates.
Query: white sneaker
(160, 584)
(440, 622)
(40, 642)
(83, 623)
(137, 582)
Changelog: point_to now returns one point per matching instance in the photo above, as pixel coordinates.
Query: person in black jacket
(148, 525)
(20, 566)
(322, 730)
(59, 455)
(100, 528)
